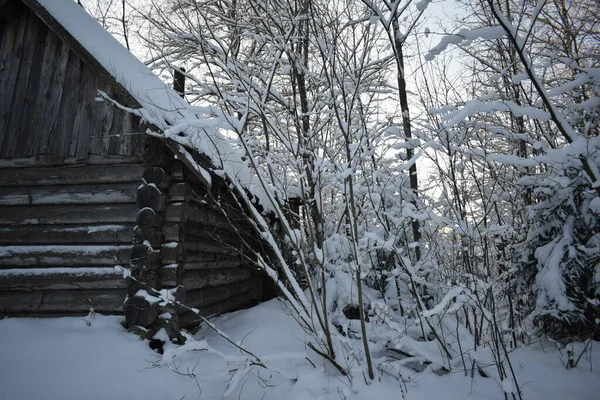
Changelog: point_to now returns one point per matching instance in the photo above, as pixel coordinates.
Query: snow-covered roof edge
(161, 105)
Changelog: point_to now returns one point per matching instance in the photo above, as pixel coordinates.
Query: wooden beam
(61, 281)
(64, 256)
(212, 261)
(71, 175)
(46, 161)
(66, 234)
(74, 214)
(199, 279)
(65, 301)
(113, 193)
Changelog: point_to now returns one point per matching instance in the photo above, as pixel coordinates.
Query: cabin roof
(158, 104)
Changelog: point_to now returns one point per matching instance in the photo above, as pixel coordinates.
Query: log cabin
(87, 194)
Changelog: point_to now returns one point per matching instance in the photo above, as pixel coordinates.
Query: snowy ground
(83, 358)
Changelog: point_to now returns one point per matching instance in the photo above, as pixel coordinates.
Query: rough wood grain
(84, 125)
(196, 250)
(52, 98)
(74, 214)
(198, 279)
(10, 75)
(69, 194)
(63, 256)
(91, 159)
(48, 88)
(60, 282)
(26, 89)
(212, 261)
(65, 301)
(65, 234)
(71, 175)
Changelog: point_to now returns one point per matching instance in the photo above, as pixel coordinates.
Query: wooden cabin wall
(217, 277)
(62, 231)
(200, 249)
(48, 99)
(81, 190)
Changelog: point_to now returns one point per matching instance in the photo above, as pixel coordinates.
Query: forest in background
(430, 185)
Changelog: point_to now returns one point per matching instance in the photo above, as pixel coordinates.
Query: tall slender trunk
(406, 128)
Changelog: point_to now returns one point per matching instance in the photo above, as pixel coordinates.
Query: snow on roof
(161, 105)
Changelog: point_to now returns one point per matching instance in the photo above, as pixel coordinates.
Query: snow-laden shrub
(560, 257)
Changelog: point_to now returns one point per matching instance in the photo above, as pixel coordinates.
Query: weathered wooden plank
(64, 301)
(174, 252)
(199, 214)
(7, 43)
(121, 95)
(91, 159)
(129, 135)
(65, 234)
(26, 83)
(71, 175)
(100, 137)
(69, 194)
(84, 124)
(199, 246)
(74, 280)
(176, 171)
(203, 297)
(199, 279)
(115, 129)
(212, 261)
(47, 87)
(179, 232)
(28, 134)
(184, 191)
(9, 85)
(57, 63)
(189, 319)
(179, 173)
(63, 255)
(179, 192)
(74, 214)
(61, 136)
